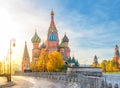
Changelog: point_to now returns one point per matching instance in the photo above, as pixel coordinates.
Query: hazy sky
(92, 26)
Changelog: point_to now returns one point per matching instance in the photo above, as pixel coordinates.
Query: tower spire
(25, 59)
(25, 54)
(52, 24)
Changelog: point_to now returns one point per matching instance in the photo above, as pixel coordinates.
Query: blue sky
(91, 25)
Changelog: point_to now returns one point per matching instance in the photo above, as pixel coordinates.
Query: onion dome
(65, 39)
(52, 13)
(52, 37)
(35, 38)
(43, 45)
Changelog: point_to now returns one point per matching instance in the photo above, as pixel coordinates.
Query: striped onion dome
(36, 38)
(65, 39)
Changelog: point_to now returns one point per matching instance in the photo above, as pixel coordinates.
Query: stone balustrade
(80, 80)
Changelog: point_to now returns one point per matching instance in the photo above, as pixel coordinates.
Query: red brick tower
(25, 59)
(36, 50)
(65, 41)
(52, 41)
(116, 55)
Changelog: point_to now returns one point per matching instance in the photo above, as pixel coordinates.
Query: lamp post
(12, 43)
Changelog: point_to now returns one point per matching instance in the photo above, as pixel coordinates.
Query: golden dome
(52, 12)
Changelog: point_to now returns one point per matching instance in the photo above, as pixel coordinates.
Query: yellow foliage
(0, 67)
(55, 62)
(42, 61)
(109, 66)
(49, 62)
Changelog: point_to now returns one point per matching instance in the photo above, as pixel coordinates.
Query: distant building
(95, 61)
(116, 57)
(25, 59)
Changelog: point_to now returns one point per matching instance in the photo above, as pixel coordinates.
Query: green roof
(36, 39)
(62, 45)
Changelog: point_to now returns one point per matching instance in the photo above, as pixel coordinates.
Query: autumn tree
(109, 66)
(42, 61)
(32, 66)
(49, 62)
(55, 62)
(0, 67)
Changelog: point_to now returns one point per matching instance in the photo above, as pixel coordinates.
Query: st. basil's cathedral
(51, 44)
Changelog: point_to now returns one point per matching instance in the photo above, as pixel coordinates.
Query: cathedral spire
(25, 59)
(52, 24)
(52, 29)
(25, 54)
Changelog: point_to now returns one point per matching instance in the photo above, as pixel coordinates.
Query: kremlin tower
(95, 61)
(116, 57)
(25, 59)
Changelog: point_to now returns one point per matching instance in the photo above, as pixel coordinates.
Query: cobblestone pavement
(31, 82)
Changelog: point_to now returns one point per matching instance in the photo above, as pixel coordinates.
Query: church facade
(51, 44)
(25, 59)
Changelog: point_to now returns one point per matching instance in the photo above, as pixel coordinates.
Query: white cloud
(89, 37)
(19, 19)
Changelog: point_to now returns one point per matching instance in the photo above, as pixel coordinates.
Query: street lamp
(12, 43)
